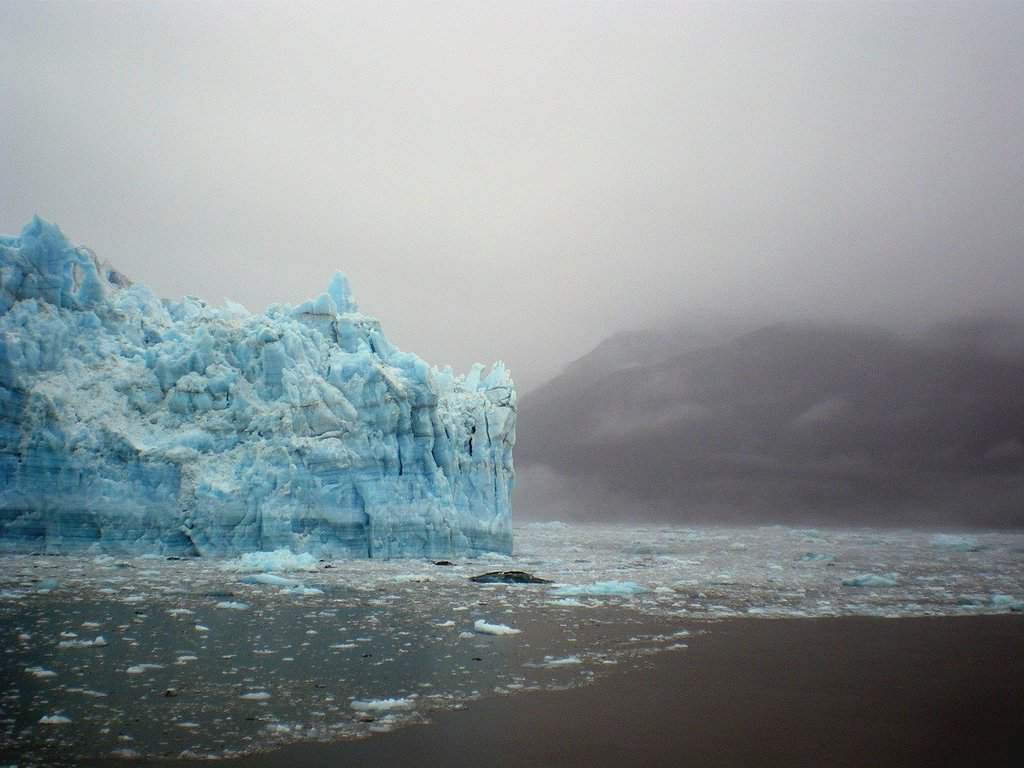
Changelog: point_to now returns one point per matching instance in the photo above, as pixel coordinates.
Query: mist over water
(523, 182)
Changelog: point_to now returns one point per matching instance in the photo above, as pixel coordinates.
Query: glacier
(134, 424)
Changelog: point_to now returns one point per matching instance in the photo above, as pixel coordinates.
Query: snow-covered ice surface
(367, 646)
(130, 424)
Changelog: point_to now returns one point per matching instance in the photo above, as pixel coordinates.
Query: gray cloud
(520, 180)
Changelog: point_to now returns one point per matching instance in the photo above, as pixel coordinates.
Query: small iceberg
(383, 705)
(871, 580)
(483, 628)
(279, 560)
(599, 588)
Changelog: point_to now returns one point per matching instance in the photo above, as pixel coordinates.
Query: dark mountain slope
(799, 421)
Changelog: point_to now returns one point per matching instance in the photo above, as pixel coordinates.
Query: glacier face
(128, 423)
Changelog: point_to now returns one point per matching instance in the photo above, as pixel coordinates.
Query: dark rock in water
(508, 577)
(443, 562)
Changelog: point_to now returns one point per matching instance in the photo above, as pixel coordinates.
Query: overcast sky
(518, 180)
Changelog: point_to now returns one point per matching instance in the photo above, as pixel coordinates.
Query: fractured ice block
(129, 423)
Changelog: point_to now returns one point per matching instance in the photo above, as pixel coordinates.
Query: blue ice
(134, 424)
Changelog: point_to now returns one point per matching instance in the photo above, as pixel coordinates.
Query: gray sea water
(148, 657)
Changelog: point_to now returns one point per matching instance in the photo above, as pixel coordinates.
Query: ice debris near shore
(133, 424)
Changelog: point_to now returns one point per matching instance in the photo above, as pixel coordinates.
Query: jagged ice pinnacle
(129, 423)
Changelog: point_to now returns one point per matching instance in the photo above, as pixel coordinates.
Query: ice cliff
(129, 423)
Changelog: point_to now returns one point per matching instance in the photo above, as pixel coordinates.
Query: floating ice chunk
(54, 720)
(40, 672)
(552, 525)
(813, 557)
(301, 591)
(383, 705)
(609, 588)
(550, 662)
(98, 642)
(88, 692)
(871, 580)
(230, 604)
(1007, 601)
(956, 543)
(179, 612)
(483, 628)
(138, 669)
(271, 579)
(279, 560)
(185, 659)
(202, 628)
(445, 624)
(255, 696)
(569, 602)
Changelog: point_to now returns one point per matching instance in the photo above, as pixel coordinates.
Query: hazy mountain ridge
(817, 421)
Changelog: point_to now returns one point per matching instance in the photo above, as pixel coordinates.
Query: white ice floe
(232, 605)
(550, 662)
(483, 628)
(300, 590)
(138, 669)
(88, 692)
(411, 578)
(383, 705)
(40, 672)
(255, 696)
(569, 602)
(54, 720)
(97, 642)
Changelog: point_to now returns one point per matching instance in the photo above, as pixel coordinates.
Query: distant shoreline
(849, 691)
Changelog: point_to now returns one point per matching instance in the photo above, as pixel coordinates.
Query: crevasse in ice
(129, 423)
